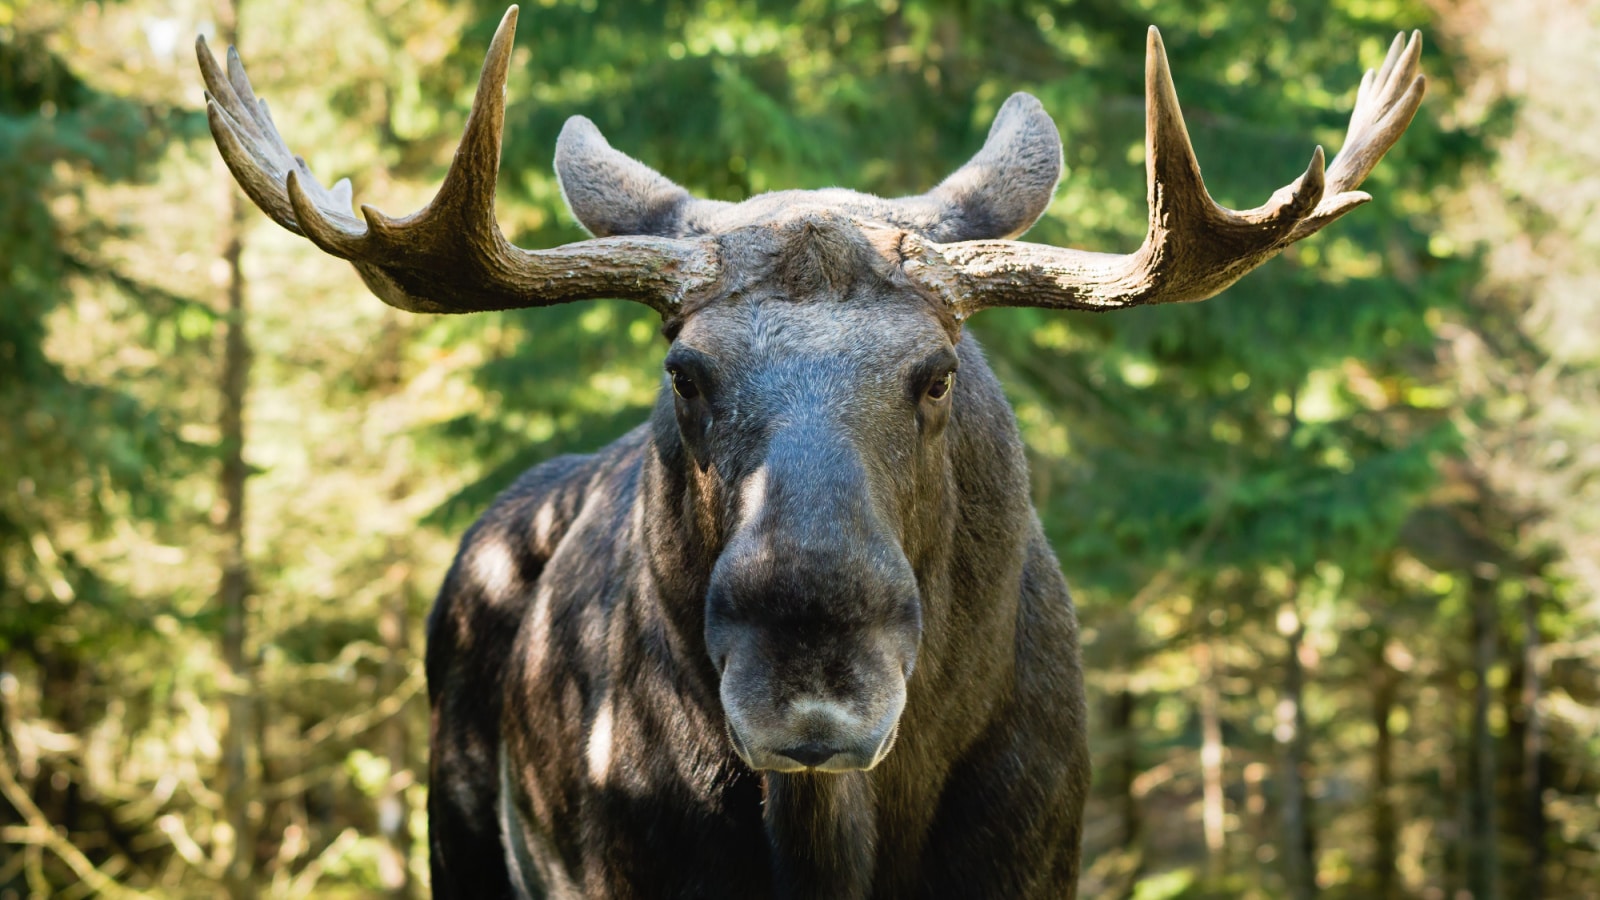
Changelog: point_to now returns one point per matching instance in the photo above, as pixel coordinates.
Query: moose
(799, 635)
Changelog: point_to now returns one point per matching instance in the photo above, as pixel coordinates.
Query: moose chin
(800, 634)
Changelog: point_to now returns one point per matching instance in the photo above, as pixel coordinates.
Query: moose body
(583, 588)
(800, 635)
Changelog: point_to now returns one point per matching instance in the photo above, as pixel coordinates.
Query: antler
(449, 257)
(1194, 248)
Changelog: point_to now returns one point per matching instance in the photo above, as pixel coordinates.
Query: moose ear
(1003, 190)
(611, 193)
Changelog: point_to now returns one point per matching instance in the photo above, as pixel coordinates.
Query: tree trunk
(1385, 831)
(1213, 810)
(394, 814)
(394, 629)
(1453, 768)
(233, 595)
(1125, 769)
(237, 845)
(1532, 786)
(1299, 845)
(1484, 865)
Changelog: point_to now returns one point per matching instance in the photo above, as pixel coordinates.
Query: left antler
(1194, 247)
(450, 256)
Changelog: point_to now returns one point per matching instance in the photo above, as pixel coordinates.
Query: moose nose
(810, 755)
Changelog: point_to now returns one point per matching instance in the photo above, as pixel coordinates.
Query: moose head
(815, 347)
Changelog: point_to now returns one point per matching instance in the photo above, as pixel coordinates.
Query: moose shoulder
(800, 634)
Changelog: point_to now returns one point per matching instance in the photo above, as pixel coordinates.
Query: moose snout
(813, 612)
(813, 734)
(813, 686)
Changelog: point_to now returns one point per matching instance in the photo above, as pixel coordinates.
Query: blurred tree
(241, 752)
(85, 455)
(76, 451)
(1285, 512)
(115, 732)
(1526, 351)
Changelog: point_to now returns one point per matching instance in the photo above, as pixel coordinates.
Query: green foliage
(76, 452)
(1321, 466)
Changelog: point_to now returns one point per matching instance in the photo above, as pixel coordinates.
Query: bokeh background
(1333, 534)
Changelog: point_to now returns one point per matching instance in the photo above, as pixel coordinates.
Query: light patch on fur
(542, 522)
(752, 495)
(539, 640)
(600, 744)
(815, 710)
(492, 566)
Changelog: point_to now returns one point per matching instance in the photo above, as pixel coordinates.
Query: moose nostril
(810, 754)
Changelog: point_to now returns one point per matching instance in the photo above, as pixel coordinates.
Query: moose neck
(822, 834)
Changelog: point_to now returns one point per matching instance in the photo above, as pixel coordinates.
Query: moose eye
(683, 385)
(941, 386)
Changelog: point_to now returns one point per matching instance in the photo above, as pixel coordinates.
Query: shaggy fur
(809, 554)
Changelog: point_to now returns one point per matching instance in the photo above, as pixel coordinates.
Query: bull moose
(800, 634)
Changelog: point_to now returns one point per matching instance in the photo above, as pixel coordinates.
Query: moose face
(812, 412)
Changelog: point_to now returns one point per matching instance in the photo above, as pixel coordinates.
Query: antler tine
(450, 256)
(255, 155)
(1377, 92)
(1194, 248)
(1385, 105)
(1169, 159)
(1177, 196)
(465, 200)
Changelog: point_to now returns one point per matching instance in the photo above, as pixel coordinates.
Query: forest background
(1333, 534)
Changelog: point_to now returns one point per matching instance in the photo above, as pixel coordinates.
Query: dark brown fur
(807, 522)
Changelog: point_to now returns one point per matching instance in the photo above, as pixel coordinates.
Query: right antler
(1194, 248)
(450, 257)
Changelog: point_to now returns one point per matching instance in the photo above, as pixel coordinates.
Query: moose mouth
(820, 749)
(813, 757)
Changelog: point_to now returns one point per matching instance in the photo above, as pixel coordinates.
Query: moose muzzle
(813, 616)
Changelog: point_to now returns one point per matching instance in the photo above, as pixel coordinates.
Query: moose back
(800, 634)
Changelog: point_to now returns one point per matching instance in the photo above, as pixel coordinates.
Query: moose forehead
(807, 283)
